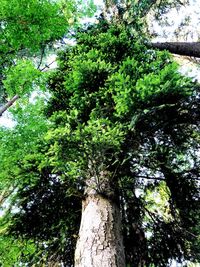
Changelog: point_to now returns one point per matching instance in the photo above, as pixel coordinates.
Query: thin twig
(41, 57)
(47, 66)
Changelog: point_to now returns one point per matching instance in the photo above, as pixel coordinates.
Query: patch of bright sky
(7, 121)
(173, 28)
(99, 4)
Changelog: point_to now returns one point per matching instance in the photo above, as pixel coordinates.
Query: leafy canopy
(29, 31)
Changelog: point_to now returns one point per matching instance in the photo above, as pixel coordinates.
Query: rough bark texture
(100, 239)
(190, 49)
(100, 242)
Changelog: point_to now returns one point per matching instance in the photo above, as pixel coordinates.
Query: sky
(6, 120)
(175, 20)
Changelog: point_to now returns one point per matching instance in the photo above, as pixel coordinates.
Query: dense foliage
(115, 106)
(29, 30)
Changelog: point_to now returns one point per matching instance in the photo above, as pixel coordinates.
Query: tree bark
(100, 238)
(190, 49)
(100, 242)
(8, 104)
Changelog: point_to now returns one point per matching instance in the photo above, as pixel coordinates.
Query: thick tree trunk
(100, 238)
(190, 49)
(100, 242)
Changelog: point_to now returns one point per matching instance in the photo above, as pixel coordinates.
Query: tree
(30, 31)
(115, 137)
(111, 95)
(104, 133)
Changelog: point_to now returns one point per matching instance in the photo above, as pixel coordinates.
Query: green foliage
(166, 82)
(20, 141)
(12, 249)
(143, 94)
(74, 10)
(33, 24)
(30, 24)
(28, 30)
(22, 78)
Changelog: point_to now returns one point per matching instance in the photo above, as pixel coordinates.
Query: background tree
(29, 30)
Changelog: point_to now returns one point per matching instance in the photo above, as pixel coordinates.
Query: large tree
(121, 135)
(125, 109)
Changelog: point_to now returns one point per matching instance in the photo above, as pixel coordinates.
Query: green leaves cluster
(28, 25)
(22, 79)
(28, 30)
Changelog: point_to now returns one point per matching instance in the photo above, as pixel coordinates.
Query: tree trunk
(8, 104)
(190, 49)
(100, 241)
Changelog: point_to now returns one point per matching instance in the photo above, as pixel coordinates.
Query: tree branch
(161, 179)
(8, 104)
(150, 178)
(41, 57)
(47, 66)
(190, 49)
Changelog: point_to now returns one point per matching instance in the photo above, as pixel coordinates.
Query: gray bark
(8, 104)
(100, 242)
(190, 49)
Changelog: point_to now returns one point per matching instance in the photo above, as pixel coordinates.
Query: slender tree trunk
(190, 49)
(8, 104)
(100, 241)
